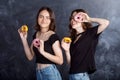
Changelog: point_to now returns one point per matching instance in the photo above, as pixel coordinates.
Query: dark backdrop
(14, 13)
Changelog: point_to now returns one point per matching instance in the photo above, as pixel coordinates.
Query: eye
(48, 17)
(40, 16)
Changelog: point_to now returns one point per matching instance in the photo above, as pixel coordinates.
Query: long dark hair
(85, 25)
(52, 18)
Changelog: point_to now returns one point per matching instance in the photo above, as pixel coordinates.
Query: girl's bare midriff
(42, 66)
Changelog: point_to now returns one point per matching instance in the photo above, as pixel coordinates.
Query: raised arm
(28, 52)
(103, 23)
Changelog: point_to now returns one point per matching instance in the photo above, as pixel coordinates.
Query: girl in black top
(80, 52)
(47, 51)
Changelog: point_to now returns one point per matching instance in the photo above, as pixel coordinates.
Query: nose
(44, 19)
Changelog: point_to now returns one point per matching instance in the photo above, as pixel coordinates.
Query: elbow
(60, 62)
(68, 62)
(30, 58)
(107, 22)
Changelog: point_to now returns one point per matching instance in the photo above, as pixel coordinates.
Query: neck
(79, 30)
(44, 30)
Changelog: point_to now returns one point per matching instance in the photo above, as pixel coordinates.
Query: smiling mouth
(43, 23)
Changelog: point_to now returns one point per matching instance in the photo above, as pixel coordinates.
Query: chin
(44, 25)
(73, 27)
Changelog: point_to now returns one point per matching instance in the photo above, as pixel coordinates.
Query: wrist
(67, 51)
(24, 39)
(42, 52)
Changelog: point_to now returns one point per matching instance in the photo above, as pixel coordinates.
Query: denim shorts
(79, 76)
(48, 73)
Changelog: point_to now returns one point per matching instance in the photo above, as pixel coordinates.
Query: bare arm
(68, 57)
(66, 47)
(103, 24)
(27, 49)
(58, 57)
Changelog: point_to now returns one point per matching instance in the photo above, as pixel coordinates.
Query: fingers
(82, 17)
(23, 29)
(67, 40)
(23, 35)
(64, 43)
(18, 30)
(86, 18)
(41, 43)
(38, 43)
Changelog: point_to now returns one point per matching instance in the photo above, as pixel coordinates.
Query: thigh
(79, 76)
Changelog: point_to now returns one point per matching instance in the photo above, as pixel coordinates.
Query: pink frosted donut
(78, 17)
(36, 42)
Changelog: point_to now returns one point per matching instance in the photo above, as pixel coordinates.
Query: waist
(42, 66)
(82, 73)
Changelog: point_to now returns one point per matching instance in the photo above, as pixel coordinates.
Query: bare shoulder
(50, 33)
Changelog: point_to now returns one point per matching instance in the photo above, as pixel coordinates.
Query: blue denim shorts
(79, 76)
(48, 73)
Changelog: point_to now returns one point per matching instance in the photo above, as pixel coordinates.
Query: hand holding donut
(67, 40)
(65, 43)
(23, 31)
(36, 43)
(81, 17)
(24, 28)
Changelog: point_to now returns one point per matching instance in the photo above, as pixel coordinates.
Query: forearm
(27, 50)
(99, 21)
(103, 24)
(68, 57)
(53, 58)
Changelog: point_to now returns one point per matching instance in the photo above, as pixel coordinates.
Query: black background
(14, 13)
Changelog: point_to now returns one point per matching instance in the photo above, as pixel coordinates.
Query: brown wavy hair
(52, 18)
(85, 25)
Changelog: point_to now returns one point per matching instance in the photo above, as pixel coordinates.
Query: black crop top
(48, 48)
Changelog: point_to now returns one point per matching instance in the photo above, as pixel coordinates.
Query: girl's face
(44, 19)
(74, 23)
